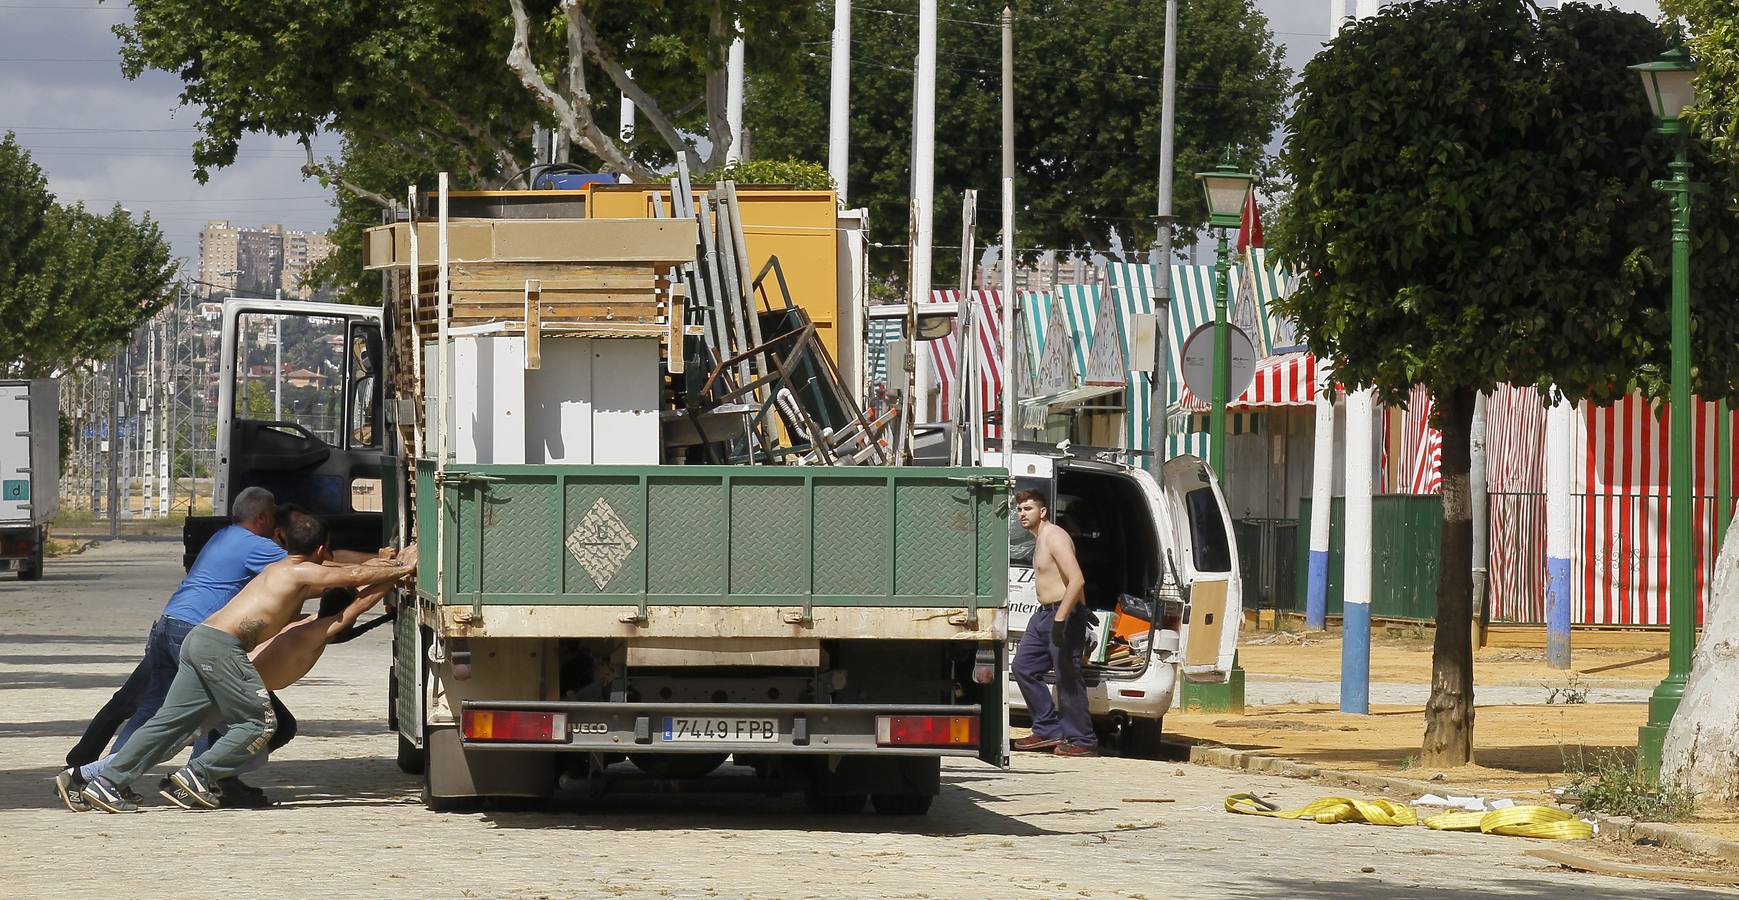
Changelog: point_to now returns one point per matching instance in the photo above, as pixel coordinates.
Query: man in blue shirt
(227, 563)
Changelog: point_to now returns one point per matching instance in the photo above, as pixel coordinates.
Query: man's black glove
(1060, 634)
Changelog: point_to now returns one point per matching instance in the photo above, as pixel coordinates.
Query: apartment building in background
(259, 261)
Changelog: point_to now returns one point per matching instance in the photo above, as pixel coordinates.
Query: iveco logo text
(591, 728)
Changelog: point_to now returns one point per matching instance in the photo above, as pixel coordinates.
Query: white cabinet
(592, 401)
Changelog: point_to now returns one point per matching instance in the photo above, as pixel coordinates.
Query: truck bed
(568, 550)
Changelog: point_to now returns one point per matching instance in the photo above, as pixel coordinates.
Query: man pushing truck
(216, 673)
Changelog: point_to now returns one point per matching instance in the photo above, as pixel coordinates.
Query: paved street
(348, 824)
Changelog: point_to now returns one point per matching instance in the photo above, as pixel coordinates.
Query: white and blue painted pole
(1321, 503)
(1355, 653)
(1559, 423)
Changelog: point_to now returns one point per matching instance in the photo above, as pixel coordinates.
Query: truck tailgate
(634, 538)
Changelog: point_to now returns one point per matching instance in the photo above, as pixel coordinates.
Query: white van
(1161, 580)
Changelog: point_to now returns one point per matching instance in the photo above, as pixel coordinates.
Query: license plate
(756, 731)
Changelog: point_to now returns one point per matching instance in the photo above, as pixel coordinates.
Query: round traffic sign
(1198, 362)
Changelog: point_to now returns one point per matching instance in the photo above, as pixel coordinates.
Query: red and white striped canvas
(944, 356)
(1619, 563)
(1422, 444)
(1282, 380)
(1619, 487)
(1515, 440)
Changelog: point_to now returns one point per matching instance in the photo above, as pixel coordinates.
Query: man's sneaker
(131, 795)
(101, 793)
(1078, 751)
(67, 784)
(186, 790)
(1034, 742)
(233, 793)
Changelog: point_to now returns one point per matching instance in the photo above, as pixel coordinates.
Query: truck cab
(299, 413)
(1160, 580)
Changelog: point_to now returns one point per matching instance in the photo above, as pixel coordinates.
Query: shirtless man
(215, 672)
(1055, 638)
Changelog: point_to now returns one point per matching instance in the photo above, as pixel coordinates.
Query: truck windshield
(290, 368)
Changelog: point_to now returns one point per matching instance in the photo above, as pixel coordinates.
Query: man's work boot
(1077, 751)
(1034, 742)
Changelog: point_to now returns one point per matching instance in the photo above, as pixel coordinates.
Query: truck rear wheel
(31, 569)
(902, 804)
(411, 759)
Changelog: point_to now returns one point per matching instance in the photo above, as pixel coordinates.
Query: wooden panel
(1207, 623)
(650, 241)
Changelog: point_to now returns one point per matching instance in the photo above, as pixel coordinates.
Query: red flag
(1250, 230)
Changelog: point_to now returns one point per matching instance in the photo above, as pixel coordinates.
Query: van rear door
(1206, 555)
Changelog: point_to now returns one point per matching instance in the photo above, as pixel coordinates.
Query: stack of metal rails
(761, 387)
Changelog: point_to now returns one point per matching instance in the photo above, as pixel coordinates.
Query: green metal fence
(1406, 530)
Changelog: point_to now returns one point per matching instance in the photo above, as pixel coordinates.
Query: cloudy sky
(103, 139)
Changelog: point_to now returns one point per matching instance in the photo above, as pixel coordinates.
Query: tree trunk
(1449, 712)
(1701, 751)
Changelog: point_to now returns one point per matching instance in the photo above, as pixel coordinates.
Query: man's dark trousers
(1067, 718)
(138, 699)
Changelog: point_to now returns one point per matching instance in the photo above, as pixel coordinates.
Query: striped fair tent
(1271, 332)
(1192, 304)
(944, 355)
(1080, 308)
(1421, 444)
(1619, 530)
(1282, 380)
(1515, 440)
(1619, 553)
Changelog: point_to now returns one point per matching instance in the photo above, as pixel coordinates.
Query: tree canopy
(1480, 209)
(1713, 39)
(1472, 204)
(442, 82)
(72, 283)
(1087, 105)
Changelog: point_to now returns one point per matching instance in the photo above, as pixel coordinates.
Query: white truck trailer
(29, 472)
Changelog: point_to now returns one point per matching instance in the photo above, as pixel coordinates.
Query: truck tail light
(514, 725)
(927, 731)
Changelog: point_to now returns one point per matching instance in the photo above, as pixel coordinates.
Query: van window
(1208, 542)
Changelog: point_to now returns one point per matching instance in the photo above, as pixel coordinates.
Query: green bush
(800, 174)
(1614, 783)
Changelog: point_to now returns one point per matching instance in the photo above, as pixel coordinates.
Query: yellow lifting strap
(1328, 810)
(1517, 821)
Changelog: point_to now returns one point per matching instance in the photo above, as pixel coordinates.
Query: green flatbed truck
(591, 612)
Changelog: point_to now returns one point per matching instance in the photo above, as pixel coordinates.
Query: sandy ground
(347, 822)
(1523, 747)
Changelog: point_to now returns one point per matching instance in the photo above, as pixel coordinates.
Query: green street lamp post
(1227, 191)
(1667, 80)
